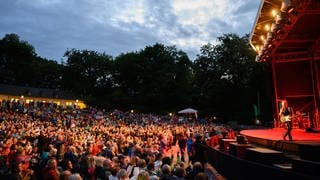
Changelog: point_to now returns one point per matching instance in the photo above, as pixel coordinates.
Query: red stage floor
(276, 134)
(305, 145)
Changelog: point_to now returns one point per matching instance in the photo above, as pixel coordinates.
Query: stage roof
(287, 30)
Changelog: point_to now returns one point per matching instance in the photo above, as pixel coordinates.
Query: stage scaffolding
(286, 35)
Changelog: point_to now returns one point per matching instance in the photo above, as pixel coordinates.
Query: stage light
(262, 38)
(267, 27)
(274, 26)
(281, 18)
(280, 31)
(286, 6)
(257, 58)
(292, 11)
(274, 13)
(278, 18)
(265, 45)
(257, 47)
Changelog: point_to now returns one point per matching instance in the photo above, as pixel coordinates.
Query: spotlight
(274, 26)
(267, 27)
(265, 45)
(286, 6)
(281, 18)
(280, 31)
(274, 13)
(271, 46)
(257, 58)
(257, 47)
(293, 11)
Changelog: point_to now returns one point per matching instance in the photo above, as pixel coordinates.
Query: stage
(305, 144)
(267, 154)
(298, 135)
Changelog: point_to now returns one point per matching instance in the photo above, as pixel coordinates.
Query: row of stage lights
(274, 30)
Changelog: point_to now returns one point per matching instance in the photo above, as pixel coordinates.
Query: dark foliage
(224, 80)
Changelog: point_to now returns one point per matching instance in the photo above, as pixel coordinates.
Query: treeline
(224, 80)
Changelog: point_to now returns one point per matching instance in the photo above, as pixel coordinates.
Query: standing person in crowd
(20, 173)
(195, 169)
(174, 148)
(190, 141)
(167, 173)
(163, 144)
(199, 149)
(143, 175)
(123, 175)
(51, 171)
(182, 141)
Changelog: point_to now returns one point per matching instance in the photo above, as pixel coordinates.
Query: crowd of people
(45, 141)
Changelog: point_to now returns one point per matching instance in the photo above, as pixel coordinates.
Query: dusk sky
(120, 26)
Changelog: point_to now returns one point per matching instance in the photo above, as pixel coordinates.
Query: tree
(224, 80)
(46, 73)
(16, 57)
(155, 78)
(88, 73)
(226, 76)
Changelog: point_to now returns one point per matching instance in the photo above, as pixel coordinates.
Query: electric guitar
(285, 118)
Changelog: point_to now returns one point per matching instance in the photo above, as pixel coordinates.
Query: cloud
(117, 27)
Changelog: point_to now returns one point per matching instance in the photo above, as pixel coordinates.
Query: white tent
(189, 111)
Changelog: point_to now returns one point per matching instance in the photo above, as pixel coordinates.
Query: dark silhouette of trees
(228, 78)
(16, 57)
(155, 78)
(224, 80)
(20, 65)
(88, 74)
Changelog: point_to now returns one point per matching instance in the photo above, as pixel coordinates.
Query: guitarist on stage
(285, 117)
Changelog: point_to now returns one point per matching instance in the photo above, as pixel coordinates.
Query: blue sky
(120, 26)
